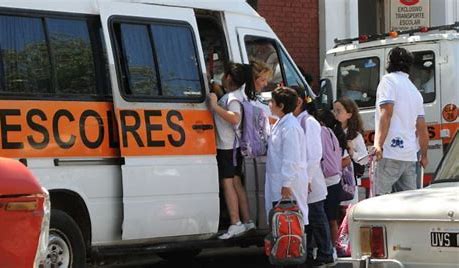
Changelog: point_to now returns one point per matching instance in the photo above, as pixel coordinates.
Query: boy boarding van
(354, 67)
(105, 102)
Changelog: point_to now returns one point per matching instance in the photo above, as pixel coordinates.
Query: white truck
(412, 228)
(354, 67)
(105, 102)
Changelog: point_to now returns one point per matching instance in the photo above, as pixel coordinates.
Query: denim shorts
(394, 176)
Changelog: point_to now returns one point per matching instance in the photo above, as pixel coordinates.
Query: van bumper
(366, 261)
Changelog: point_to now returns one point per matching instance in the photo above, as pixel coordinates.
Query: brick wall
(296, 23)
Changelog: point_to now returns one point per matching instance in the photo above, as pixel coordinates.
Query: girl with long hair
(228, 114)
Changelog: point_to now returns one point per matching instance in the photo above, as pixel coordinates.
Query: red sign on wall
(409, 2)
(409, 14)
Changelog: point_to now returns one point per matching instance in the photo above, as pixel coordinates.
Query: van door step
(254, 237)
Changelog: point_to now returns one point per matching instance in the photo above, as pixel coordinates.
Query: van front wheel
(66, 246)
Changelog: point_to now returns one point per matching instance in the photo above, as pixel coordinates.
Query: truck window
(358, 80)
(422, 74)
(264, 50)
(49, 57)
(158, 61)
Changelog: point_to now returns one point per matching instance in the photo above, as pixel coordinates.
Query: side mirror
(325, 98)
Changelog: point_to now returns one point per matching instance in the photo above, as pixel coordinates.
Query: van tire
(66, 247)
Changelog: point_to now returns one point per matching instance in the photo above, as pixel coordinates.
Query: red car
(24, 216)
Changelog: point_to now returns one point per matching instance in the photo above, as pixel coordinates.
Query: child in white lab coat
(286, 174)
(318, 228)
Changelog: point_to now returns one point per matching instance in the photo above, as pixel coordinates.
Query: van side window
(267, 51)
(25, 66)
(264, 50)
(158, 61)
(214, 48)
(422, 74)
(51, 57)
(72, 56)
(140, 66)
(358, 79)
(291, 76)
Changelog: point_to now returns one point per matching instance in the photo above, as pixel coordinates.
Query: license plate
(444, 239)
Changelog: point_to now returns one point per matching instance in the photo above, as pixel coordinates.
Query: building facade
(296, 23)
(308, 27)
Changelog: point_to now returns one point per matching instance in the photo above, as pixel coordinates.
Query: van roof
(400, 40)
(91, 6)
(235, 6)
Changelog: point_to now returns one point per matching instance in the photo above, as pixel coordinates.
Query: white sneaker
(335, 255)
(233, 231)
(249, 226)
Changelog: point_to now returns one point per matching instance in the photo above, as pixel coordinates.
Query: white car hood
(438, 202)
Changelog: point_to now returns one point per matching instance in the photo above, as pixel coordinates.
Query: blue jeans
(319, 230)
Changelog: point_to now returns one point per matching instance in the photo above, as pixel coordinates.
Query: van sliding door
(170, 181)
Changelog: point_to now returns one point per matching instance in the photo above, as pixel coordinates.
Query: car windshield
(449, 166)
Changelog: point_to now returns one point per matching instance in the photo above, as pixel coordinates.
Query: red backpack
(286, 243)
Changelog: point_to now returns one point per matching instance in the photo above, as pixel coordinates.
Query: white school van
(354, 67)
(105, 102)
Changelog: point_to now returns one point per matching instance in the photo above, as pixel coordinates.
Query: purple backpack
(254, 139)
(331, 153)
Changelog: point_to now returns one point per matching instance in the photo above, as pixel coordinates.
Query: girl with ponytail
(318, 228)
(227, 115)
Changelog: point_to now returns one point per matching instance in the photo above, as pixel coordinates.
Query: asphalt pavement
(251, 257)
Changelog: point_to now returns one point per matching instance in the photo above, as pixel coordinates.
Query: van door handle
(202, 127)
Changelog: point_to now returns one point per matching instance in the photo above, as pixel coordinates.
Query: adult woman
(259, 74)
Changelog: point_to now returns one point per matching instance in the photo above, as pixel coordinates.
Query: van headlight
(373, 241)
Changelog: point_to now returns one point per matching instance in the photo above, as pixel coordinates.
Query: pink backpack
(331, 153)
(343, 244)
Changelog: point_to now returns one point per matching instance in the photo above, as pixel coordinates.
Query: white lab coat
(286, 164)
(312, 131)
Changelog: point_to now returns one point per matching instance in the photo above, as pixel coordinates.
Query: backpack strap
(237, 139)
(331, 138)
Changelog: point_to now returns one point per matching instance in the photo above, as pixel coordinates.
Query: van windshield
(422, 74)
(358, 80)
(449, 167)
